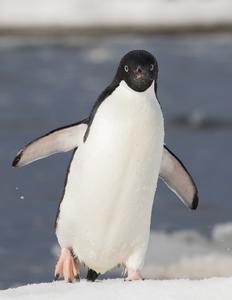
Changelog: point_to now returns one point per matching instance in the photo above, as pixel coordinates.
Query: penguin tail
(92, 275)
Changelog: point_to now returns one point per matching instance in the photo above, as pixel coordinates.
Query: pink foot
(133, 275)
(67, 266)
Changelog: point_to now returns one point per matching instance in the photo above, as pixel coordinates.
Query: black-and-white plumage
(105, 213)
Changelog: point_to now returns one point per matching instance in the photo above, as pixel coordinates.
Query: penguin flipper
(177, 178)
(59, 140)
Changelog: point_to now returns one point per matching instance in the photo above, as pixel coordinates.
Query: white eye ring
(151, 67)
(126, 68)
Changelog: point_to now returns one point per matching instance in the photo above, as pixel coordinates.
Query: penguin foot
(68, 266)
(133, 275)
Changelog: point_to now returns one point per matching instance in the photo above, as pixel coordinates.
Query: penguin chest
(106, 210)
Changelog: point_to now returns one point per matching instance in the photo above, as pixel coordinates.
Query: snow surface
(82, 13)
(212, 289)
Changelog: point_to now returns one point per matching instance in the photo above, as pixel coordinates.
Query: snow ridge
(213, 289)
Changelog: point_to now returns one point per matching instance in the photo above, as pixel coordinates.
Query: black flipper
(178, 179)
(60, 140)
(92, 275)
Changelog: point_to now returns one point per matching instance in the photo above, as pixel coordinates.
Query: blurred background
(55, 59)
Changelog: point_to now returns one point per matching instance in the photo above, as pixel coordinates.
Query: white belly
(106, 210)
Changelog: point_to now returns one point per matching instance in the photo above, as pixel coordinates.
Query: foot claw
(77, 277)
(129, 280)
(56, 277)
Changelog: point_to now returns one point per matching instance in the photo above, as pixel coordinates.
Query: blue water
(48, 85)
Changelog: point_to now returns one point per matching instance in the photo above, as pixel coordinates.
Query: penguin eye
(126, 68)
(151, 67)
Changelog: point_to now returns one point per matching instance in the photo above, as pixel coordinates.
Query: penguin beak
(138, 72)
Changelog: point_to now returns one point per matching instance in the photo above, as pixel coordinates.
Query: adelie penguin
(104, 217)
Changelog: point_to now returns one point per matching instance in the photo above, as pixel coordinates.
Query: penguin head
(138, 68)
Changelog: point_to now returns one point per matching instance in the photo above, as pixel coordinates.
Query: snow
(223, 234)
(189, 254)
(120, 13)
(213, 289)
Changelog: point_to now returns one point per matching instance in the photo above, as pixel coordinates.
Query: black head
(138, 68)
